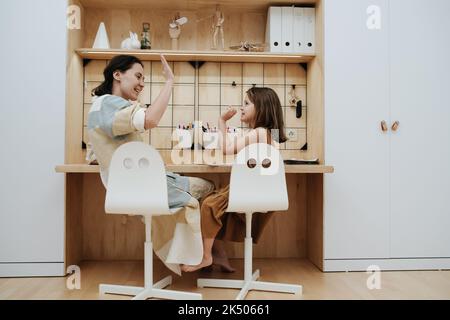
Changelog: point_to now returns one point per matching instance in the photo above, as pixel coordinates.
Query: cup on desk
(183, 138)
(233, 135)
(211, 140)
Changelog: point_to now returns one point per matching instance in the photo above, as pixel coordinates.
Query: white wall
(32, 121)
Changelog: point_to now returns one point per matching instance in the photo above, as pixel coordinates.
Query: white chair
(137, 185)
(257, 184)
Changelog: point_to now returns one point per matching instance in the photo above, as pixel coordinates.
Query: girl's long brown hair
(269, 113)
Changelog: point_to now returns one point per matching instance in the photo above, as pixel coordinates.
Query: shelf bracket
(196, 64)
(86, 62)
(304, 65)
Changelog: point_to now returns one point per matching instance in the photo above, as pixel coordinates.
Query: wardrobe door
(356, 206)
(420, 84)
(32, 125)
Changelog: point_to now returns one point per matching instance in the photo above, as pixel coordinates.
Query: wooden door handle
(395, 126)
(384, 126)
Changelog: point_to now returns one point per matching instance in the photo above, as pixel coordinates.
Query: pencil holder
(211, 140)
(183, 138)
(232, 136)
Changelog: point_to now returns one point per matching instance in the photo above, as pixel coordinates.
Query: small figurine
(175, 29)
(131, 43)
(247, 46)
(218, 28)
(145, 41)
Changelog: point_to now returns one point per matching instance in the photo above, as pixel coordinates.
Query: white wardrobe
(387, 133)
(33, 58)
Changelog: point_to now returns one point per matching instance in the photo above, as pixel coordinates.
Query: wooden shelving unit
(93, 235)
(190, 55)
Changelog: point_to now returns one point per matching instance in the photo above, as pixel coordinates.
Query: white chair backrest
(137, 181)
(258, 182)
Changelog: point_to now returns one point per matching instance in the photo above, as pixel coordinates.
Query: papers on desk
(301, 161)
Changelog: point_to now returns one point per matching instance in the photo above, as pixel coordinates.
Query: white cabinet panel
(356, 101)
(420, 172)
(32, 124)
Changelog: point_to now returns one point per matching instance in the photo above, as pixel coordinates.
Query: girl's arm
(234, 146)
(154, 114)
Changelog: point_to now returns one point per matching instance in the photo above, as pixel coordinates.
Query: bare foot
(207, 261)
(224, 263)
(220, 257)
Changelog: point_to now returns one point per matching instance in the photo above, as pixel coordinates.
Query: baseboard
(387, 264)
(45, 269)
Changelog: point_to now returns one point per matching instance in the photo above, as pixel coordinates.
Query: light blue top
(110, 125)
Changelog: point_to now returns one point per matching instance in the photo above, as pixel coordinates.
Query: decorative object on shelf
(145, 41)
(132, 42)
(101, 39)
(217, 27)
(175, 29)
(251, 47)
(293, 98)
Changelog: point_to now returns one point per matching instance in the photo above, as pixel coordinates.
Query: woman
(116, 118)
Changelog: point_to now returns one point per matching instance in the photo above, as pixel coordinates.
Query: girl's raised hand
(227, 115)
(167, 71)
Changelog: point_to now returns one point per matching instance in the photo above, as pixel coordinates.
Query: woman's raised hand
(167, 71)
(227, 115)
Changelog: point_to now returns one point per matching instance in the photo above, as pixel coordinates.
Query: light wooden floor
(316, 285)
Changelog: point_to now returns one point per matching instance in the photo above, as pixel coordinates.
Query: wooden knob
(384, 126)
(395, 126)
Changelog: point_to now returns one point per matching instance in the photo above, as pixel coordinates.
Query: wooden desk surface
(197, 168)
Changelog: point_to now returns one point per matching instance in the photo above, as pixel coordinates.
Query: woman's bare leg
(207, 256)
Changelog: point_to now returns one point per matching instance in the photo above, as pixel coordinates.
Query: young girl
(116, 118)
(262, 112)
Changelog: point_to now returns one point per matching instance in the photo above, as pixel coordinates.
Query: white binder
(287, 28)
(309, 20)
(273, 29)
(299, 30)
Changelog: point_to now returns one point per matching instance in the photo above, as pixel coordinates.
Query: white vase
(101, 39)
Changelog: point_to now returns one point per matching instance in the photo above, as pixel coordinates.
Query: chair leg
(167, 281)
(167, 294)
(250, 281)
(220, 283)
(277, 287)
(150, 290)
(122, 290)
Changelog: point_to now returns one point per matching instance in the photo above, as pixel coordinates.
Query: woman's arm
(154, 114)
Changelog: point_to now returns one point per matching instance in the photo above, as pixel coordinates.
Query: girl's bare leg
(220, 257)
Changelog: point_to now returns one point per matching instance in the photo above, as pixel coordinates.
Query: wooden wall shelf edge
(189, 55)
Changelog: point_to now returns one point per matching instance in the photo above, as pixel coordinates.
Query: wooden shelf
(199, 168)
(189, 55)
(181, 5)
